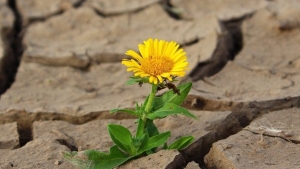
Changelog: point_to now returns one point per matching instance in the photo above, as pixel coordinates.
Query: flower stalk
(158, 64)
(149, 103)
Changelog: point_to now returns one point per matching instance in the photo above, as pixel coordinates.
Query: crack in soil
(25, 120)
(25, 132)
(292, 84)
(272, 132)
(59, 12)
(43, 18)
(242, 115)
(71, 146)
(78, 4)
(13, 49)
(194, 102)
(229, 44)
(103, 14)
(191, 42)
(172, 11)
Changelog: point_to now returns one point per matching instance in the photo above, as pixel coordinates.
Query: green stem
(151, 99)
(150, 102)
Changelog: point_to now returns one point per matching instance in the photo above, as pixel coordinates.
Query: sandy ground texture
(60, 75)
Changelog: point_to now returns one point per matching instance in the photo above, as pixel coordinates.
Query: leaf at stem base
(93, 159)
(170, 109)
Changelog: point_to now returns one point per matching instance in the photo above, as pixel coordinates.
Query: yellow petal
(147, 53)
(149, 46)
(168, 50)
(151, 79)
(170, 79)
(160, 79)
(133, 54)
(161, 47)
(158, 60)
(138, 73)
(132, 69)
(178, 54)
(174, 49)
(142, 50)
(165, 74)
(155, 47)
(155, 80)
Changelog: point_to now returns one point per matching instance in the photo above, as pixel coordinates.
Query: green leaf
(135, 80)
(165, 147)
(151, 128)
(151, 131)
(78, 159)
(154, 142)
(120, 133)
(125, 111)
(131, 81)
(121, 136)
(92, 159)
(150, 152)
(169, 109)
(145, 102)
(170, 97)
(140, 128)
(181, 143)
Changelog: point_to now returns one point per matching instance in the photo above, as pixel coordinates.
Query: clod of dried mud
(265, 143)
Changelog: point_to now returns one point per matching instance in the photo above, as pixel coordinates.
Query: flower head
(158, 60)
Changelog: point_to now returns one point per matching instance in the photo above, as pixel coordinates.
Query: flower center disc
(157, 65)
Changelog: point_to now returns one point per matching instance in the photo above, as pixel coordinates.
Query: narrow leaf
(154, 142)
(170, 109)
(135, 80)
(140, 128)
(145, 102)
(131, 81)
(181, 142)
(170, 97)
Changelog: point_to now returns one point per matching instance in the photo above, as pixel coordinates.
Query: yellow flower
(157, 60)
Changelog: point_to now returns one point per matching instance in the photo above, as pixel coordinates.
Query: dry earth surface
(60, 74)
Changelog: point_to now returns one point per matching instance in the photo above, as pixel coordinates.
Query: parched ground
(60, 74)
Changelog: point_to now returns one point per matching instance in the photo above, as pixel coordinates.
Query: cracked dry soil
(60, 74)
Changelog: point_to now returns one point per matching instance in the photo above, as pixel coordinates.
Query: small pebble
(56, 162)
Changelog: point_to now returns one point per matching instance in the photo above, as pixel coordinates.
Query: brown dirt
(244, 65)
